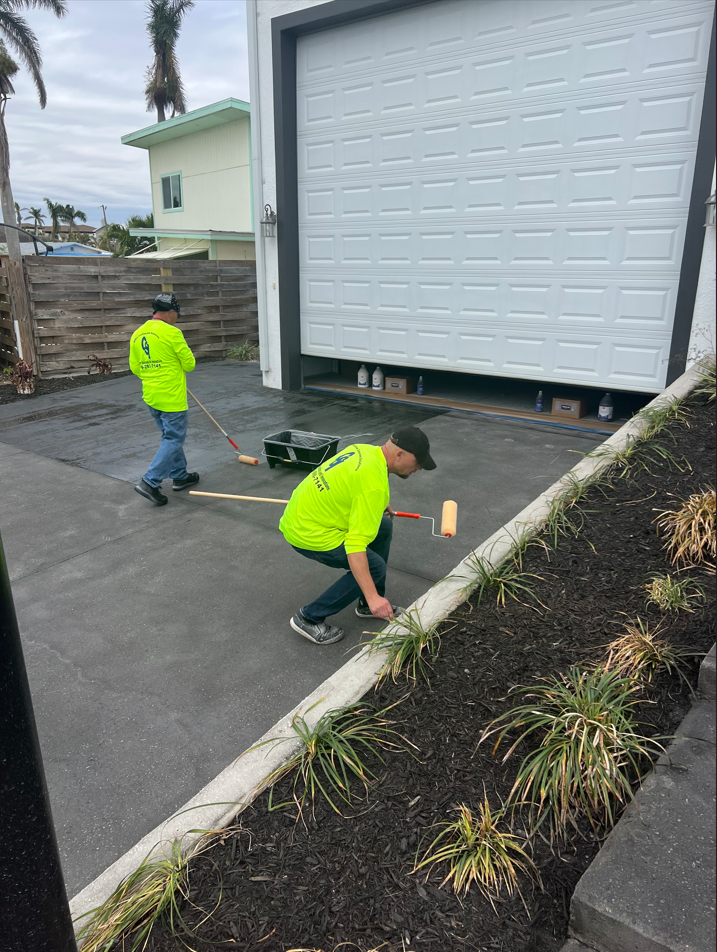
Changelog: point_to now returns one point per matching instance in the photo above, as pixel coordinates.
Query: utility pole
(34, 912)
(104, 214)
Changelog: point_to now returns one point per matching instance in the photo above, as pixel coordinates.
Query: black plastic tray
(299, 448)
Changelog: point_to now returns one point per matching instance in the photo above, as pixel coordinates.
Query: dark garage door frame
(284, 32)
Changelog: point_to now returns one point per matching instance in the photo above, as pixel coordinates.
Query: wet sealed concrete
(157, 640)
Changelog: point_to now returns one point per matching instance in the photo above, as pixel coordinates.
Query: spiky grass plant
(350, 945)
(479, 848)
(154, 892)
(641, 652)
(659, 417)
(690, 530)
(245, 351)
(507, 579)
(708, 381)
(636, 456)
(409, 646)
(333, 753)
(670, 593)
(588, 747)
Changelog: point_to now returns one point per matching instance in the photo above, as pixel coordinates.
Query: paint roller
(249, 460)
(449, 519)
(449, 516)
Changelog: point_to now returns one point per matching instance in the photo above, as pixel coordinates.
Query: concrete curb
(234, 788)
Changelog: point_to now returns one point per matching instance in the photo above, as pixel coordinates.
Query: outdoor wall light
(268, 222)
(710, 216)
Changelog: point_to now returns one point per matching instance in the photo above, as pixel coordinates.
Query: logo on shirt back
(340, 459)
(145, 346)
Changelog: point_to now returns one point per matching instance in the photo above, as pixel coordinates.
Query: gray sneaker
(363, 611)
(318, 632)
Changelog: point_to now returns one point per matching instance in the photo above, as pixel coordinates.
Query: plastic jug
(377, 379)
(363, 376)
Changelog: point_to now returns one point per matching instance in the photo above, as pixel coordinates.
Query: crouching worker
(340, 516)
(160, 357)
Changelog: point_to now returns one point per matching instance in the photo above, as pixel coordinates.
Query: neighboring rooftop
(216, 114)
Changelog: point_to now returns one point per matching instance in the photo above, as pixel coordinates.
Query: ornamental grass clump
(588, 749)
(708, 385)
(690, 530)
(479, 848)
(408, 644)
(670, 593)
(333, 753)
(154, 892)
(640, 653)
(507, 579)
(245, 351)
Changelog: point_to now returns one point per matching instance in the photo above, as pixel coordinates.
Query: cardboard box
(564, 406)
(400, 385)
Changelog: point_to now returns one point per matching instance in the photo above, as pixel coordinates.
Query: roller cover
(449, 518)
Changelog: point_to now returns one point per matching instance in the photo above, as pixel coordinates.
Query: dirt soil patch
(279, 884)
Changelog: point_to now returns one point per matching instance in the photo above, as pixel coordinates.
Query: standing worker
(339, 516)
(160, 357)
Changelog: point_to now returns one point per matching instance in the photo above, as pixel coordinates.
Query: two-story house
(200, 169)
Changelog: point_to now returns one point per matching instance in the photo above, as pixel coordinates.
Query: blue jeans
(346, 589)
(170, 460)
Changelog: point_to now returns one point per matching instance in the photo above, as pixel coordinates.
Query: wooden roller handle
(194, 492)
(409, 515)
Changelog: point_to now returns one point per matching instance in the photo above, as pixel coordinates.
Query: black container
(299, 448)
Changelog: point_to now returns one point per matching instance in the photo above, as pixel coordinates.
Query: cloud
(94, 66)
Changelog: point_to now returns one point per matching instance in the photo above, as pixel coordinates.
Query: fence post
(34, 912)
(19, 294)
(166, 287)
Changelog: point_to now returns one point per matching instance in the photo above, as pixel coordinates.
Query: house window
(172, 192)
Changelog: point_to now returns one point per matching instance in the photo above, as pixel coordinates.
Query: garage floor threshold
(450, 403)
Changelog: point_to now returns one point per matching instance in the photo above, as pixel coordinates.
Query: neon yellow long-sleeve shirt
(160, 357)
(341, 501)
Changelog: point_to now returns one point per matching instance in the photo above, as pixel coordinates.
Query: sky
(94, 65)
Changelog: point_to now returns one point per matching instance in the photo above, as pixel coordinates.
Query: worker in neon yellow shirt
(160, 357)
(340, 516)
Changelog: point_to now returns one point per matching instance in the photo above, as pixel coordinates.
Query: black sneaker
(363, 611)
(153, 493)
(191, 479)
(318, 632)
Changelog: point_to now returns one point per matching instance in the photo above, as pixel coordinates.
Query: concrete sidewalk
(157, 640)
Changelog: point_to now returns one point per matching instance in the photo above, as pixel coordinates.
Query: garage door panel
(500, 187)
(642, 244)
(456, 28)
(608, 59)
(630, 122)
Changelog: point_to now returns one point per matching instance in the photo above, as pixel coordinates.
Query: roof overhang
(216, 114)
(210, 235)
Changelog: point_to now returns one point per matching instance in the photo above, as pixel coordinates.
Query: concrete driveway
(157, 640)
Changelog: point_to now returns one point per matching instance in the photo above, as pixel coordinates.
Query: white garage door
(500, 187)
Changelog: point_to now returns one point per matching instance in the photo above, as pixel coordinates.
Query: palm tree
(18, 213)
(37, 216)
(117, 239)
(16, 34)
(55, 211)
(68, 214)
(164, 84)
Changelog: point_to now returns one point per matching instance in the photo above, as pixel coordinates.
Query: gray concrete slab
(700, 722)
(157, 640)
(652, 886)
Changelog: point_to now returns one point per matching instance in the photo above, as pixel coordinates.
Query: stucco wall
(216, 178)
(235, 250)
(703, 339)
(265, 13)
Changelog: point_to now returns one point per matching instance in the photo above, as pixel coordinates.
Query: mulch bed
(331, 879)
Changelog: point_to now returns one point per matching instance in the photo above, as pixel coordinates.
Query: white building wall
(703, 339)
(263, 125)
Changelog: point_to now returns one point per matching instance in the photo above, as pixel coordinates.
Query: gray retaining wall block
(706, 685)
(652, 886)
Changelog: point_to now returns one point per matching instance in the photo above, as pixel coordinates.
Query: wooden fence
(8, 350)
(82, 306)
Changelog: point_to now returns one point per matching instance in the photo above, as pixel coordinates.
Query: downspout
(257, 182)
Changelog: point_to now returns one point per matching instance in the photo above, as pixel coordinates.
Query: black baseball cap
(165, 302)
(413, 440)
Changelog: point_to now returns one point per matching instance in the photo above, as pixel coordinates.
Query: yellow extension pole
(194, 492)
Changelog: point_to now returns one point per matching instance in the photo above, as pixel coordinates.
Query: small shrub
(691, 530)
(23, 377)
(245, 351)
(640, 653)
(408, 645)
(154, 892)
(99, 364)
(708, 385)
(669, 593)
(333, 753)
(588, 744)
(479, 850)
